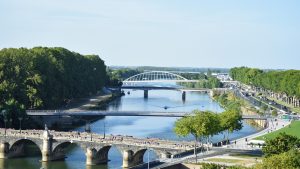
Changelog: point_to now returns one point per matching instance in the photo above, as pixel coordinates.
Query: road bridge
(144, 80)
(121, 113)
(53, 145)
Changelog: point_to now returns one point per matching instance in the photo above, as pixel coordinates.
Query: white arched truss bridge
(156, 76)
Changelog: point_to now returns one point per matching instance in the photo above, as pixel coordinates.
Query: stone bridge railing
(53, 144)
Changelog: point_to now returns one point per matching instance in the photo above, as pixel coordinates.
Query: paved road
(120, 113)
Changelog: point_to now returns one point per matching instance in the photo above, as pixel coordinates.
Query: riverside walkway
(53, 144)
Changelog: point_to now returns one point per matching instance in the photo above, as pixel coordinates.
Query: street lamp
(10, 123)
(5, 120)
(149, 149)
(104, 128)
(20, 119)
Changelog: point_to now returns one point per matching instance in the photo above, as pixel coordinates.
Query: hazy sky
(194, 33)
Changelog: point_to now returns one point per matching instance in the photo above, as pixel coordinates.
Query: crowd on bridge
(75, 136)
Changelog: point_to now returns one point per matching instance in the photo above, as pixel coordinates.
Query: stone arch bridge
(53, 145)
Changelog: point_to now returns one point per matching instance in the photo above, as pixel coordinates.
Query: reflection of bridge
(142, 82)
(53, 145)
(120, 113)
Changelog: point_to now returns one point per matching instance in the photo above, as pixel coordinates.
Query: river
(158, 127)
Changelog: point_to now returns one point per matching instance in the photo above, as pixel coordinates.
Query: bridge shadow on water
(75, 157)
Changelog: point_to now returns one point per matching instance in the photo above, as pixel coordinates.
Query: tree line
(46, 78)
(287, 81)
(204, 81)
(116, 76)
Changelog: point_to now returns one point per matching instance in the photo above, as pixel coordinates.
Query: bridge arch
(153, 76)
(17, 147)
(59, 149)
(102, 154)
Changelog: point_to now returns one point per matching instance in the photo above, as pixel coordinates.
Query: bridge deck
(98, 138)
(121, 113)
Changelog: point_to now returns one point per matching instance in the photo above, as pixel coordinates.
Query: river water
(158, 127)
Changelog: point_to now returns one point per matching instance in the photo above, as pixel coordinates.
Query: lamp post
(104, 128)
(10, 123)
(5, 120)
(20, 119)
(148, 157)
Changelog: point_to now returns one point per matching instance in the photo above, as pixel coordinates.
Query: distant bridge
(155, 77)
(120, 113)
(148, 81)
(53, 145)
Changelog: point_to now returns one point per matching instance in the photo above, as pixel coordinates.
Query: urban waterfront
(156, 127)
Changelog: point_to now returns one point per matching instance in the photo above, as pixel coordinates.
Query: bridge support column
(183, 95)
(127, 158)
(4, 149)
(165, 155)
(145, 94)
(89, 156)
(47, 146)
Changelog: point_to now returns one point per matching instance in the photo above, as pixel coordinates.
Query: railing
(97, 138)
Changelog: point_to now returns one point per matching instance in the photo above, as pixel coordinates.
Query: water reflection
(158, 127)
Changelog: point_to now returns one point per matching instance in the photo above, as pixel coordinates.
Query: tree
(47, 78)
(278, 81)
(286, 160)
(231, 120)
(199, 125)
(274, 113)
(282, 143)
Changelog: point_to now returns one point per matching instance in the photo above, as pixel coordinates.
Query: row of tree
(46, 77)
(205, 81)
(116, 76)
(278, 81)
(203, 125)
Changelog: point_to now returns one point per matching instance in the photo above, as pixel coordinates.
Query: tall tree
(231, 120)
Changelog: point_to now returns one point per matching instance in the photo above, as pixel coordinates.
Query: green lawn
(249, 156)
(293, 129)
(224, 160)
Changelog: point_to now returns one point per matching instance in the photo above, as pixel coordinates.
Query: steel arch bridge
(155, 76)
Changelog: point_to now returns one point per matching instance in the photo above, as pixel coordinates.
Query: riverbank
(95, 102)
(65, 123)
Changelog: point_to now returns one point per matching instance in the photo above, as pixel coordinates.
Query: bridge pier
(183, 95)
(90, 154)
(93, 157)
(164, 155)
(127, 158)
(47, 146)
(4, 149)
(146, 94)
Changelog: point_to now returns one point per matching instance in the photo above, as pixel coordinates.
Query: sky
(181, 33)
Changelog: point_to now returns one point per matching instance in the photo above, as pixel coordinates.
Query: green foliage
(193, 76)
(208, 82)
(278, 81)
(285, 160)
(47, 77)
(198, 124)
(231, 120)
(219, 166)
(212, 166)
(274, 113)
(280, 144)
(117, 76)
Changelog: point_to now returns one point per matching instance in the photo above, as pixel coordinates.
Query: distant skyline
(180, 33)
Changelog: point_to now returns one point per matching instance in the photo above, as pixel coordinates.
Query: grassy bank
(292, 129)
